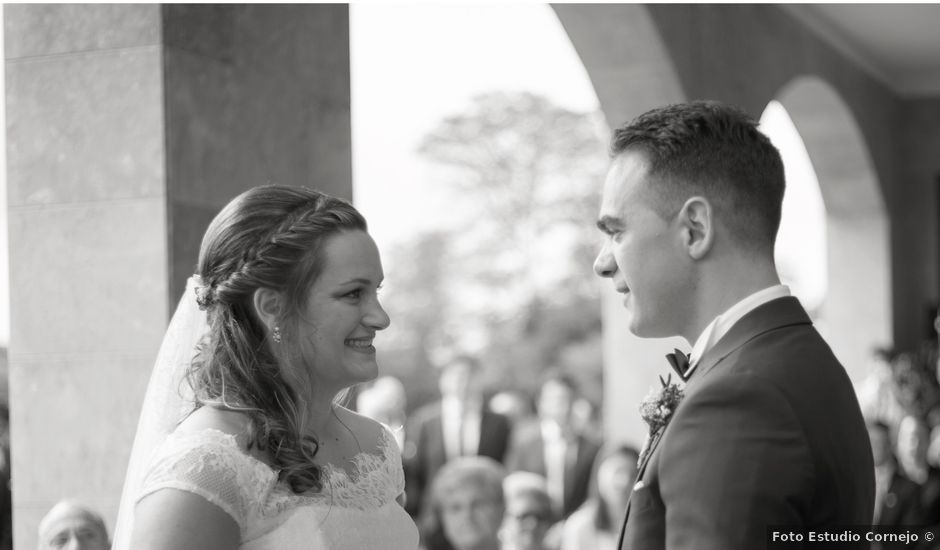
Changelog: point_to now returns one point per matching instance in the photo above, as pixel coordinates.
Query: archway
(855, 316)
(800, 253)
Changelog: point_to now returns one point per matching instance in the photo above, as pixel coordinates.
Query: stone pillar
(128, 126)
(254, 94)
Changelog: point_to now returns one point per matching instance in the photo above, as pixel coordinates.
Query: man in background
(459, 425)
(72, 526)
(555, 448)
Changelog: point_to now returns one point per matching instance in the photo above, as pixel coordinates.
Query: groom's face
(642, 253)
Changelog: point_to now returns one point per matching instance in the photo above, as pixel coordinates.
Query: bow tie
(679, 363)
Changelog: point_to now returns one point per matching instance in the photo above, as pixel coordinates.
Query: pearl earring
(277, 334)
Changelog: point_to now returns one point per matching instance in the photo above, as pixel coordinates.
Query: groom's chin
(642, 329)
(637, 329)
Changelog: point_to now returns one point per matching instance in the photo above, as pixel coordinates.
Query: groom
(769, 431)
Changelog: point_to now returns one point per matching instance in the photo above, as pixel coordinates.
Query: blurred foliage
(510, 280)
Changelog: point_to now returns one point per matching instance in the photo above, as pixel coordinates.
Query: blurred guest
(458, 425)
(552, 447)
(933, 447)
(384, 400)
(71, 526)
(514, 405)
(896, 497)
(6, 496)
(915, 381)
(529, 516)
(586, 420)
(878, 393)
(912, 458)
(912, 449)
(595, 525)
(467, 499)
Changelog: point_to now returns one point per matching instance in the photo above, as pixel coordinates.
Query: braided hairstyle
(267, 237)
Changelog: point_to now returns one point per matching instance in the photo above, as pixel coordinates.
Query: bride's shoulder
(211, 418)
(373, 435)
(208, 419)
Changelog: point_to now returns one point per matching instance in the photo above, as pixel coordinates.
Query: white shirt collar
(722, 324)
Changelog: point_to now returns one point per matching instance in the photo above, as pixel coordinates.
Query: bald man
(71, 526)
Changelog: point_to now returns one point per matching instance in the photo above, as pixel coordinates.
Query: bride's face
(343, 313)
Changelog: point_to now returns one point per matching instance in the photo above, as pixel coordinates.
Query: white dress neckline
(349, 512)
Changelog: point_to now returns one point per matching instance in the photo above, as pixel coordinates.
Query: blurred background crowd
(505, 469)
(901, 404)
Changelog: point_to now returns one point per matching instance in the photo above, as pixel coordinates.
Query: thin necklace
(351, 433)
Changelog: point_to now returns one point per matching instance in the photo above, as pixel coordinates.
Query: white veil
(167, 401)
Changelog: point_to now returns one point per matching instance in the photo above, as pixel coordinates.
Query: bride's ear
(267, 305)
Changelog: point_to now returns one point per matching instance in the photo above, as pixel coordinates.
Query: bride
(241, 443)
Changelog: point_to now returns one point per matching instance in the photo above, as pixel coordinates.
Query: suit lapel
(639, 476)
(436, 427)
(486, 425)
(538, 456)
(779, 313)
(654, 442)
(775, 314)
(573, 465)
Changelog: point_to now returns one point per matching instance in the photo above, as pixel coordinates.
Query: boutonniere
(658, 408)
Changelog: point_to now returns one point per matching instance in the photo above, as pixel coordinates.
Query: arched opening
(801, 241)
(855, 314)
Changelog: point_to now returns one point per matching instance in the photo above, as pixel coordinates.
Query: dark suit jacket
(901, 505)
(769, 433)
(527, 454)
(929, 497)
(424, 452)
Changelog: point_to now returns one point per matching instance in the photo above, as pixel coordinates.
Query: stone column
(128, 126)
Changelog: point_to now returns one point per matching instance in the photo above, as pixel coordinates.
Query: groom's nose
(604, 264)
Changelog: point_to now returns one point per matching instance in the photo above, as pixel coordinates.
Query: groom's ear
(697, 222)
(267, 304)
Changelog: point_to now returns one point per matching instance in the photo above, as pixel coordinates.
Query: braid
(268, 237)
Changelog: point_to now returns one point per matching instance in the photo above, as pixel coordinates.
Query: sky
(413, 64)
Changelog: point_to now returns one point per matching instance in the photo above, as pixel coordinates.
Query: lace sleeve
(393, 455)
(209, 463)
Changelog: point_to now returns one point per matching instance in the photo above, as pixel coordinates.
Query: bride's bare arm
(170, 519)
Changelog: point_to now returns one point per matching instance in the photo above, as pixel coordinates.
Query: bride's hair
(268, 237)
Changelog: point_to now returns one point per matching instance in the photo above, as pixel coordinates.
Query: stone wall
(128, 126)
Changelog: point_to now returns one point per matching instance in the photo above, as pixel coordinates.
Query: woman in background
(596, 524)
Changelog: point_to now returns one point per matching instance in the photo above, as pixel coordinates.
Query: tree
(510, 278)
(533, 170)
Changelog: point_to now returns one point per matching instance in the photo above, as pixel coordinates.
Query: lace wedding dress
(356, 510)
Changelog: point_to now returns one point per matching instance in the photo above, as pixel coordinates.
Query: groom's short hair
(716, 150)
